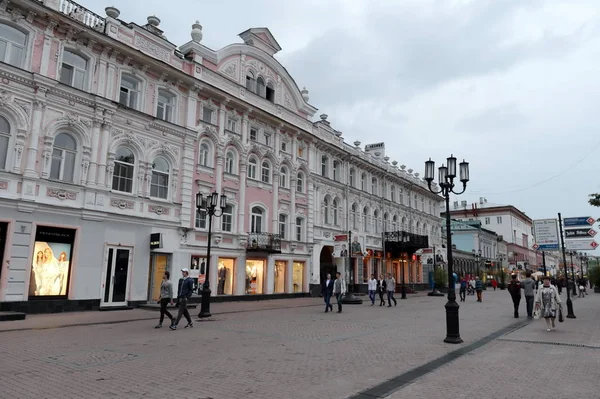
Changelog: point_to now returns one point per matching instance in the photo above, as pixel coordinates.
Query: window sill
(205, 169)
(259, 184)
(160, 200)
(124, 193)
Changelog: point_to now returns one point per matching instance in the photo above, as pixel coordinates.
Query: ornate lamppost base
(570, 313)
(205, 304)
(351, 299)
(403, 291)
(452, 325)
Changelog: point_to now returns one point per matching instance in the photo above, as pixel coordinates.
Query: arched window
(270, 92)
(374, 186)
(418, 229)
(336, 170)
(404, 225)
(252, 165)
(335, 212)
(130, 90)
(366, 219)
(230, 163)
(260, 87)
(326, 210)
(159, 187)
(283, 177)
(324, 166)
(395, 223)
(376, 222)
(12, 45)
(352, 177)
(283, 220)
(165, 106)
(363, 182)
(63, 158)
(250, 82)
(205, 155)
(300, 182)
(256, 220)
(4, 141)
(73, 70)
(354, 216)
(386, 222)
(265, 172)
(123, 172)
(393, 193)
(299, 229)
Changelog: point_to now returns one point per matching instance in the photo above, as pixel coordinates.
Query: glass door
(116, 276)
(160, 264)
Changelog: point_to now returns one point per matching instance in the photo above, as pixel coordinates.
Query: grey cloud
(504, 118)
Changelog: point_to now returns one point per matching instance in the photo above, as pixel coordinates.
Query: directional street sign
(546, 234)
(581, 245)
(580, 233)
(579, 221)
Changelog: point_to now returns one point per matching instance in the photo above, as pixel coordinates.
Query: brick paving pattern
(284, 352)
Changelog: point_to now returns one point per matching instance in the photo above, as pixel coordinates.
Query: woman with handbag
(547, 304)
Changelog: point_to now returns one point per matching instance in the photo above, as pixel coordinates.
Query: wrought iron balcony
(397, 242)
(264, 242)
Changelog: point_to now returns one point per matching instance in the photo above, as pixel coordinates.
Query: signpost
(546, 235)
(579, 221)
(580, 233)
(581, 245)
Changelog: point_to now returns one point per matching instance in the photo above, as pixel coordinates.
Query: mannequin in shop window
(222, 275)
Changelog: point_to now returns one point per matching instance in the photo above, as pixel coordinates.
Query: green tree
(594, 199)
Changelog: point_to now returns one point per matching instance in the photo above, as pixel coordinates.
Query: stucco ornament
(197, 32)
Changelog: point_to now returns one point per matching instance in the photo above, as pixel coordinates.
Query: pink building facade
(108, 131)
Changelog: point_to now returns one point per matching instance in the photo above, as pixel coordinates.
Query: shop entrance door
(3, 233)
(159, 264)
(117, 265)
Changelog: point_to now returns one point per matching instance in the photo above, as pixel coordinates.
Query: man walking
(327, 291)
(528, 286)
(463, 289)
(391, 288)
(186, 288)
(381, 284)
(372, 289)
(514, 288)
(339, 290)
(478, 288)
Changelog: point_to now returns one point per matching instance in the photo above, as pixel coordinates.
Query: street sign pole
(544, 261)
(570, 313)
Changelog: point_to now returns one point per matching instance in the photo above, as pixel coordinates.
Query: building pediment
(261, 38)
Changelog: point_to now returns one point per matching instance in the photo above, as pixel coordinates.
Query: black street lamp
(208, 207)
(446, 175)
(349, 297)
(571, 253)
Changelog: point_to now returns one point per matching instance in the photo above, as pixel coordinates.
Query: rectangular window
(164, 106)
(283, 146)
(227, 219)
(282, 226)
(299, 229)
(300, 152)
(487, 220)
(253, 134)
(200, 220)
(499, 219)
(207, 114)
(231, 125)
(267, 139)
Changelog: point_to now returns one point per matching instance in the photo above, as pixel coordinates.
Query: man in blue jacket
(186, 288)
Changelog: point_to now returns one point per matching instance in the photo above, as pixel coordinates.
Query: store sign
(546, 234)
(51, 266)
(155, 241)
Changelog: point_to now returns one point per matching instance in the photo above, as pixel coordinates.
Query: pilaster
(92, 171)
(34, 137)
(187, 182)
(105, 137)
(242, 204)
(275, 203)
(47, 47)
(269, 277)
(289, 276)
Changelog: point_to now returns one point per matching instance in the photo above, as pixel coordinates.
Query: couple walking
(382, 286)
(330, 288)
(184, 292)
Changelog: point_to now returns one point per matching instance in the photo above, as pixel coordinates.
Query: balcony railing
(398, 242)
(81, 14)
(264, 242)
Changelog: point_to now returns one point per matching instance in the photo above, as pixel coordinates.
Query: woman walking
(166, 297)
(546, 302)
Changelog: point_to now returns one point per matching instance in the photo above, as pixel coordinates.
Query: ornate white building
(107, 132)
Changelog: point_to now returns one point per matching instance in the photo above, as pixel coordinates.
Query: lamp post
(477, 255)
(349, 297)
(571, 253)
(209, 206)
(446, 176)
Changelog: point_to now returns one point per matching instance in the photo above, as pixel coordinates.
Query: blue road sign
(548, 247)
(579, 221)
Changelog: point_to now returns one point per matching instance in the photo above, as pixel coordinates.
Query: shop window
(197, 270)
(51, 266)
(73, 70)
(123, 172)
(64, 153)
(130, 91)
(298, 276)
(12, 45)
(225, 277)
(159, 186)
(5, 136)
(279, 278)
(254, 276)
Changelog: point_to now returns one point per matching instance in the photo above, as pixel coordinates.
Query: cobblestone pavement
(280, 353)
(527, 363)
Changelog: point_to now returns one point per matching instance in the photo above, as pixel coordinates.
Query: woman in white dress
(546, 302)
(63, 272)
(50, 274)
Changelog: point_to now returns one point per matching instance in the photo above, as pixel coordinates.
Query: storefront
(225, 273)
(159, 264)
(255, 273)
(279, 276)
(298, 277)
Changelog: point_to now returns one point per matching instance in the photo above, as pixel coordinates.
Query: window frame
(207, 108)
(252, 166)
(172, 104)
(9, 143)
(283, 177)
(9, 44)
(254, 217)
(231, 169)
(228, 215)
(163, 173)
(75, 153)
(137, 106)
(326, 210)
(299, 229)
(86, 73)
(265, 178)
(126, 164)
(324, 165)
(282, 222)
(300, 182)
(250, 135)
(205, 159)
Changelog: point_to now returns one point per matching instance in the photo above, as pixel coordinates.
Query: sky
(511, 86)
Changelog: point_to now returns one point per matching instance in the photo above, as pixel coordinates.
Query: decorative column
(275, 203)
(222, 117)
(245, 127)
(289, 276)
(220, 159)
(111, 76)
(47, 47)
(269, 278)
(192, 107)
(188, 205)
(91, 177)
(34, 136)
(242, 206)
(105, 137)
(103, 69)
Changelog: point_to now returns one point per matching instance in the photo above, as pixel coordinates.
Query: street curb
(395, 384)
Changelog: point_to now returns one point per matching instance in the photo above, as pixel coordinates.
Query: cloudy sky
(512, 86)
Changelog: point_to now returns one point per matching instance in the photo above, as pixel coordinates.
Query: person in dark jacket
(186, 288)
(327, 292)
(463, 289)
(514, 288)
(478, 288)
(381, 288)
